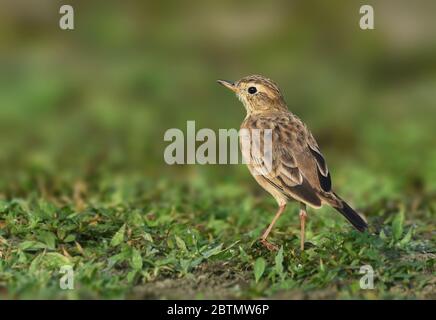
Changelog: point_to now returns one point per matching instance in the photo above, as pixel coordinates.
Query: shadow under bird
(295, 168)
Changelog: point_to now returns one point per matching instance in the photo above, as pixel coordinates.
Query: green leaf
(131, 275)
(321, 265)
(48, 238)
(406, 239)
(50, 261)
(55, 259)
(70, 238)
(180, 243)
(397, 225)
(118, 258)
(279, 262)
(213, 251)
(118, 238)
(31, 245)
(148, 237)
(185, 264)
(259, 268)
(136, 260)
(45, 209)
(34, 265)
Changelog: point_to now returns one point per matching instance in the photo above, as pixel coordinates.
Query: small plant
(259, 268)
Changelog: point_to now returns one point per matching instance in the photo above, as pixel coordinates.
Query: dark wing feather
(323, 172)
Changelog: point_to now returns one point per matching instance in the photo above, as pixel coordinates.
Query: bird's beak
(228, 84)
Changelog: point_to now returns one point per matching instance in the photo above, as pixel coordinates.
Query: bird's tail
(355, 219)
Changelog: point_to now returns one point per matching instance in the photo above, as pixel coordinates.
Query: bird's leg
(263, 240)
(303, 216)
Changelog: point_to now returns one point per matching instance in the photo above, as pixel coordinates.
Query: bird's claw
(269, 245)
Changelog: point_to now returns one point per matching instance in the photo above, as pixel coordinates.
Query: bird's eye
(252, 90)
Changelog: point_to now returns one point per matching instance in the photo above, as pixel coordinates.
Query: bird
(292, 167)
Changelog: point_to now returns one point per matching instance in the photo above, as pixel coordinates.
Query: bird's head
(257, 93)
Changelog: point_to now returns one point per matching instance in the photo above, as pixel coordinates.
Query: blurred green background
(85, 108)
(75, 104)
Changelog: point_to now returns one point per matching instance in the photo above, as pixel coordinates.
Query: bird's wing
(323, 173)
(293, 164)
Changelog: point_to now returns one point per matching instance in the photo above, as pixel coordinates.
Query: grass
(133, 239)
(82, 177)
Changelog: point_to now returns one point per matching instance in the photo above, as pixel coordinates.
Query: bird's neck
(267, 110)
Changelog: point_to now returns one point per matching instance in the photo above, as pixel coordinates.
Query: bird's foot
(268, 245)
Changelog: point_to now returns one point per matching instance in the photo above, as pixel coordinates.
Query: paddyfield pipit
(297, 169)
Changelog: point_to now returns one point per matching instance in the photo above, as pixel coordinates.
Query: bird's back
(298, 168)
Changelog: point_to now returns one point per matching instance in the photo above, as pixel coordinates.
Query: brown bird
(291, 166)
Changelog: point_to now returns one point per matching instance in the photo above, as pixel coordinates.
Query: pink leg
(303, 216)
(263, 240)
